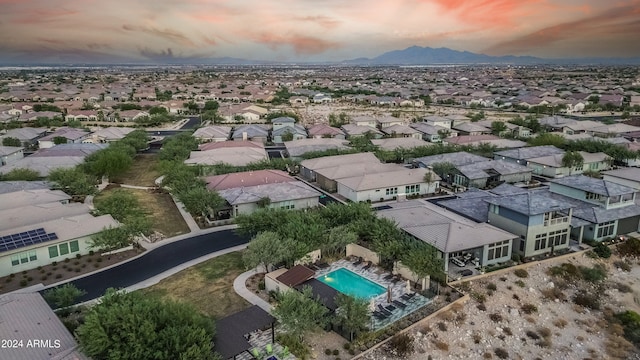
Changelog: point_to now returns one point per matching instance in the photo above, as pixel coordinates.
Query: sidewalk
(239, 285)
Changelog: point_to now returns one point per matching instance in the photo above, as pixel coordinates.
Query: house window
(15, 260)
(74, 246)
(32, 255)
(412, 189)
(592, 196)
(391, 191)
(541, 242)
(579, 167)
(287, 205)
(24, 258)
(557, 238)
(606, 228)
(498, 250)
(53, 252)
(593, 166)
(64, 249)
(522, 244)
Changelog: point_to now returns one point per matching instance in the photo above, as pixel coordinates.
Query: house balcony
(556, 221)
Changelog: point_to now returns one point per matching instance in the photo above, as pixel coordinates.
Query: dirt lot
(533, 317)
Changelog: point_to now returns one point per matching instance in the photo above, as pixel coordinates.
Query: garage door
(628, 225)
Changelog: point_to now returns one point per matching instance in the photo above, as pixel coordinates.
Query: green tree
(352, 314)
(299, 312)
(111, 238)
(287, 136)
(63, 296)
(445, 170)
(498, 127)
(72, 181)
(18, 174)
(109, 162)
(124, 206)
(572, 160)
(263, 202)
(139, 326)
(59, 140)
(422, 259)
(547, 139)
(444, 133)
(200, 201)
(269, 248)
(178, 147)
(429, 178)
(211, 105)
(337, 239)
(137, 139)
(158, 110)
(11, 141)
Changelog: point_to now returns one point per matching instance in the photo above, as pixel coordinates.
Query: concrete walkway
(239, 285)
(135, 187)
(193, 226)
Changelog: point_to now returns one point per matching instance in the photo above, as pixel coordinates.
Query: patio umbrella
(389, 293)
(408, 286)
(372, 305)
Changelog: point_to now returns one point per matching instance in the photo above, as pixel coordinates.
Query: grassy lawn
(143, 172)
(207, 286)
(163, 211)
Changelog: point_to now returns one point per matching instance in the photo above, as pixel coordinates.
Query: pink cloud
(301, 44)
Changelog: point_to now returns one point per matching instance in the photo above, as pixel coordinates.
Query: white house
(388, 185)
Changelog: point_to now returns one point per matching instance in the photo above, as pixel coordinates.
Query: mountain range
(416, 55)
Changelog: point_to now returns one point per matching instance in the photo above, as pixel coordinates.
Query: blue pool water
(350, 283)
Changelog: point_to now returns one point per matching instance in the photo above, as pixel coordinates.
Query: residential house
(401, 131)
(127, 115)
(251, 132)
(364, 121)
(521, 155)
(456, 159)
(41, 226)
(321, 98)
(244, 191)
(45, 336)
(432, 133)
(552, 166)
(450, 234)
(325, 131)
(435, 120)
(624, 176)
(72, 136)
(490, 173)
(82, 115)
(469, 128)
(60, 156)
(328, 177)
(10, 154)
(387, 121)
(406, 143)
(387, 185)
(235, 153)
(541, 222)
(579, 127)
(613, 130)
(309, 167)
(287, 125)
(357, 130)
(212, 133)
(492, 140)
(297, 148)
(298, 100)
(109, 134)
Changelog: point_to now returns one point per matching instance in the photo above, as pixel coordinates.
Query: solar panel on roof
(27, 238)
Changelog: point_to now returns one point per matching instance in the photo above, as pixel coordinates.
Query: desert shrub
(630, 321)
(532, 335)
(516, 297)
(564, 270)
(327, 351)
(442, 326)
(594, 274)
(43, 277)
(545, 332)
(481, 307)
(501, 353)
(495, 317)
(520, 283)
(23, 282)
(602, 251)
(447, 316)
(487, 355)
(492, 287)
(507, 331)
(521, 273)
(336, 352)
(553, 294)
(622, 265)
(479, 297)
(544, 343)
(476, 338)
(560, 323)
(503, 278)
(529, 309)
(631, 248)
(461, 317)
(296, 347)
(587, 300)
(58, 276)
(29, 279)
(530, 319)
(623, 288)
(346, 346)
(402, 344)
(441, 345)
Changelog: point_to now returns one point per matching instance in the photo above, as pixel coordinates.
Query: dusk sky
(302, 30)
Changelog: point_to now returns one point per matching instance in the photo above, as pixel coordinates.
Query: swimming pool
(350, 283)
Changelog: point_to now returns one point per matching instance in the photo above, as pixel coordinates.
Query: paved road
(156, 262)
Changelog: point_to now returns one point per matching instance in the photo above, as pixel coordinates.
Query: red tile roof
(247, 178)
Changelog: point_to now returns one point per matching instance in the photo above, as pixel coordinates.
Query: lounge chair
(358, 262)
(399, 304)
(407, 296)
(368, 266)
(256, 353)
(390, 307)
(389, 277)
(384, 311)
(378, 315)
(322, 265)
(269, 349)
(396, 278)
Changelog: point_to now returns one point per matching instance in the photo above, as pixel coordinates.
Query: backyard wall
(366, 254)
(402, 270)
(309, 258)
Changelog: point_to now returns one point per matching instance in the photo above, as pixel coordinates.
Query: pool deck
(377, 275)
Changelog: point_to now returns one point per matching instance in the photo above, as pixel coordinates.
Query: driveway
(155, 262)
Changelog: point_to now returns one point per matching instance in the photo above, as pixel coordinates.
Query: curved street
(155, 262)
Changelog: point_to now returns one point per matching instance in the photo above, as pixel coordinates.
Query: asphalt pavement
(155, 262)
